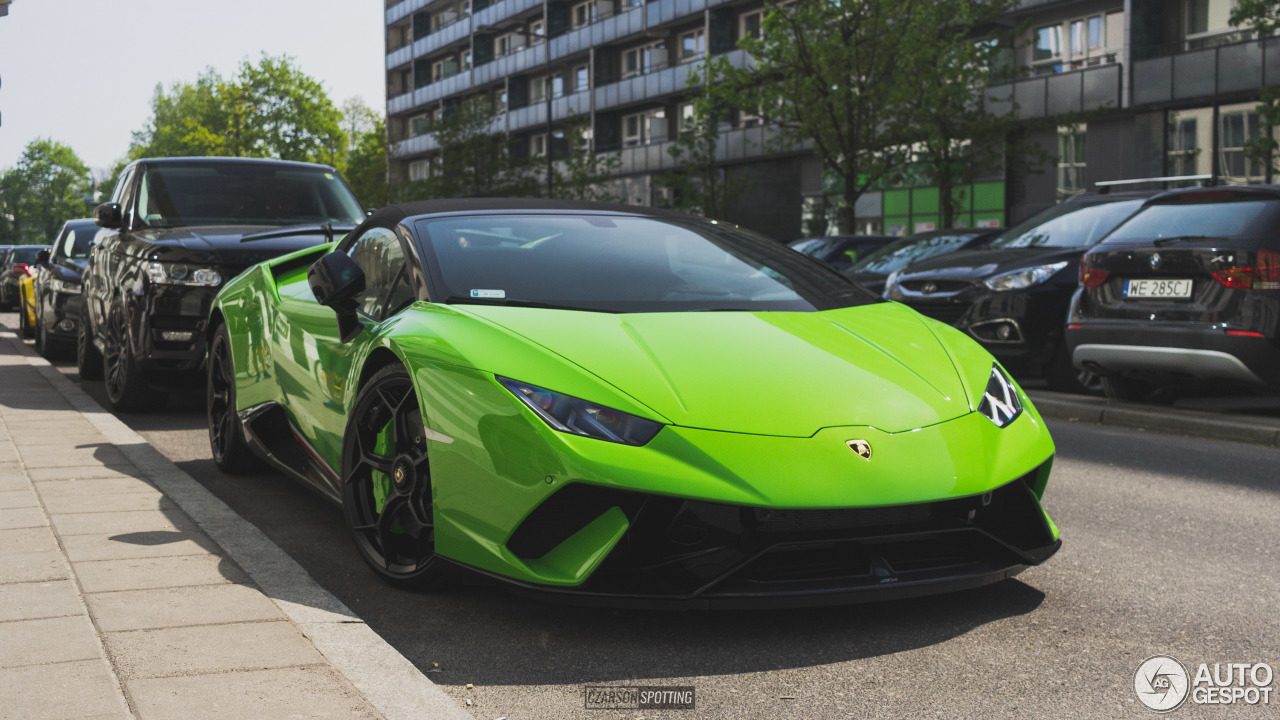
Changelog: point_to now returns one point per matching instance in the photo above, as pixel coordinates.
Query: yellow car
(27, 303)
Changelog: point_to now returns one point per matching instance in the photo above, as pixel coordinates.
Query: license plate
(1157, 288)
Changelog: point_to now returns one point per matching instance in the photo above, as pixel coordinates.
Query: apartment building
(1167, 86)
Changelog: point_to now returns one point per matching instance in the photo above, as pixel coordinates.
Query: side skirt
(270, 434)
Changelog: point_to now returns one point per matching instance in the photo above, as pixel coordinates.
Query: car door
(315, 366)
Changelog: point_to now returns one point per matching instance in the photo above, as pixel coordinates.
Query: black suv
(57, 287)
(176, 230)
(1187, 289)
(1012, 294)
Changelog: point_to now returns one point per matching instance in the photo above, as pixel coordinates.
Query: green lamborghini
(627, 405)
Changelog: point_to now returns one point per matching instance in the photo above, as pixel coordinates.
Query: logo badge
(929, 288)
(1161, 683)
(862, 447)
(399, 473)
(1155, 260)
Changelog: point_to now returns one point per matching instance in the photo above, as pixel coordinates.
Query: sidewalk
(127, 590)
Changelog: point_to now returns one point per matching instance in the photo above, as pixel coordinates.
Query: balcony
(733, 145)
(500, 11)
(672, 79)
(1094, 88)
(1221, 70)
(511, 64)
(401, 56)
(629, 22)
(562, 108)
(664, 11)
(402, 10)
(453, 32)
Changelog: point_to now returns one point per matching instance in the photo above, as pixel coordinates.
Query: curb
(1196, 423)
(388, 681)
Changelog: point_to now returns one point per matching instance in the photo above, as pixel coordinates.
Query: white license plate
(1157, 288)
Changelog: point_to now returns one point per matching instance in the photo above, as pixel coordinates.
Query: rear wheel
(226, 435)
(88, 359)
(127, 391)
(1126, 389)
(386, 490)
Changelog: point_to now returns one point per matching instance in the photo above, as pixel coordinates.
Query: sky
(83, 72)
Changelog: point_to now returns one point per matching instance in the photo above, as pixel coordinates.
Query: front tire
(88, 359)
(231, 452)
(386, 489)
(1125, 389)
(127, 391)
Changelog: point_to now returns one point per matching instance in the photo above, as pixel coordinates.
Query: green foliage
(367, 164)
(583, 174)
(698, 185)
(474, 159)
(46, 188)
(1260, 15)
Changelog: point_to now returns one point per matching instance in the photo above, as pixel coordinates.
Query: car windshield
(611, 263)
(901, 253)
(1067, 226)
(171, 195)
(1192, 219)
(24, 254)
(78, 241)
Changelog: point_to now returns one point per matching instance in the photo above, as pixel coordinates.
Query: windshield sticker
(498, 294)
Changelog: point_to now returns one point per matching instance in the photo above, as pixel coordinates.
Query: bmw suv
(176, 230)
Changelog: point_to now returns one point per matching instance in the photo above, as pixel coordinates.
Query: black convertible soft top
(391, 215)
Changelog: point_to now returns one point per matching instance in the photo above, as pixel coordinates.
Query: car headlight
(64, 286)
(891, 285)
(1024, 278)
(1000, 403)
(580, 417)
(181, 274)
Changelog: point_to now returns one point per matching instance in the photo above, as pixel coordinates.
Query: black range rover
(178, 229)
(1187, 289)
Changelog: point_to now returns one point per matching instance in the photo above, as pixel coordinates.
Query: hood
(979, 264)
(220, 244)
(765, 373)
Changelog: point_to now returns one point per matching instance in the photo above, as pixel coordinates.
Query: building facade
(1166, 87)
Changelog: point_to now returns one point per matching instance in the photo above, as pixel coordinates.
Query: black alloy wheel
(386, 489)
(127, 391)
(231, 452)
(88, 359)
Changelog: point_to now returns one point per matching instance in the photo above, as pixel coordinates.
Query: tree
(699, 185)
(474, 159)
(44, 190)
(582, 174)
(1263, 17)
(366, 163)
(841, 75)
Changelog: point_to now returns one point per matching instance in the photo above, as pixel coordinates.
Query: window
(1189, 141)
(537, 32)
(419, 125)
(76, 243)
(1095, 32)
(749, 24)
(582, 14)
(581, 79)
(1046, 44)
(643, 60)
(692, 45)
(686, 117)
(380, 256)
(419, 170)
(1239, 127)
(538, 145)
(442, 69)
(1071, 160)
(1077, 37)
(644, 128)
(582, 139)
(500, 100)
(538, 87)
(466, 59)
(748, 119)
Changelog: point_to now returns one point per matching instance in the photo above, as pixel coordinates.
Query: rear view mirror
(108, 215)
(336, 281)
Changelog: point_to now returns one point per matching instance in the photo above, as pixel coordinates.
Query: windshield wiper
(293, 230)
(510, 302)
(1180, 238)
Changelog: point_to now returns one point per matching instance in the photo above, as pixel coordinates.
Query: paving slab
(286, 693)
(110, 546)
(203, 649)
(10, 481)
(82, 472)
(17, 498)
(49, 640)
(30, 554)
(22, 517)
(34, 600)
(179, 607)
(119, 523)
(93, 487)
(85, 689)
(60, 456)
(162, 572)
(113, 503)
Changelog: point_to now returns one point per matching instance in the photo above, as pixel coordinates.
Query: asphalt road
(1170, 547)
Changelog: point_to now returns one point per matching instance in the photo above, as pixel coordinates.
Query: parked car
(18, 263)
(1012, 294)
(1187, 289)
(175, 231)
(841, 251)
(56, 295)
(537, 389)
(872, 270)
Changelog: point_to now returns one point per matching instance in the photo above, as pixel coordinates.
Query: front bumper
(169, 328)
(1173, 350)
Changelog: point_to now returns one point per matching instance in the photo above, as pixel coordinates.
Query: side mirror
(42, 258)
(336, 280)
(108, 215)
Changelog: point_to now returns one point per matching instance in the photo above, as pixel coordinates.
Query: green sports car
(629, 405)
